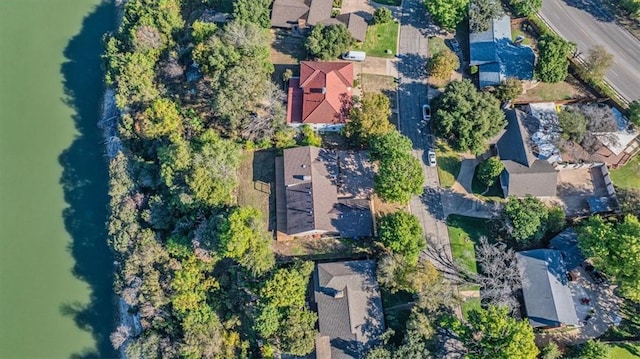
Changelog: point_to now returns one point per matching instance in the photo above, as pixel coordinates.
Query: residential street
(412, 94)
(587, 23)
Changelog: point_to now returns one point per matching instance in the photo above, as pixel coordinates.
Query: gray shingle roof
(547, 296)
(497, 57)
(567, 243)
(352, 319)
(525, 174)
(319, 10)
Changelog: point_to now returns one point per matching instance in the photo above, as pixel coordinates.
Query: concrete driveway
(365, 8)
(588, 23)
(376, 66)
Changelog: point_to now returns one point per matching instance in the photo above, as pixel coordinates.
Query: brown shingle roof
(286, 13)
(307, 196)
(355, 23)
(319, 10)
(326, 92)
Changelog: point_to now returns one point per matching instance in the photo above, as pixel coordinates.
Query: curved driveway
(587, 23)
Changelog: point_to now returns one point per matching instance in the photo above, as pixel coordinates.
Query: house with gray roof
(307, 200)
(497, 57)
(547, 296)
(523, 173)
(301, 14)
(567, 243)
(350, 314)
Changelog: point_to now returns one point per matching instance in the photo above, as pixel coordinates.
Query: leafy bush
(381, 15)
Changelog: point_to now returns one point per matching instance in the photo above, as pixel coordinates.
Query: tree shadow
(592, 7)
(85, 181)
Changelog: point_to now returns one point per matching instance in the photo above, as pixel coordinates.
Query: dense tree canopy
(509, 89)
(489, 170)
(328, 42)
(243, 238)
(382, 15)
(447, 13)
(482, 13)
(395, 274)
(597, 63)
(594, 349)
(253, 11)
(442, 64)
(369, 119)
(573, 124)
(390, 144)
(401, 233)
(282, 314)
(618, 255)
(492, 333)
(553, 65)
(527, 219)
(525, 7)
(466, 118)
(399, 178)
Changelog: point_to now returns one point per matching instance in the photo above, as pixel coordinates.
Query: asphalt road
(412, 94)
(587, 23)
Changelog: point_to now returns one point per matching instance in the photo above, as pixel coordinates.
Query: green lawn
(448, 164)
(464, 232)
(380, 38)
(516, 31)
(470, 304)
(480, 189)
(627, 176)
(625, 351)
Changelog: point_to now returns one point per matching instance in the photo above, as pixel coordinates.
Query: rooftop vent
(324, 90)
(306, 178)
(338, 294)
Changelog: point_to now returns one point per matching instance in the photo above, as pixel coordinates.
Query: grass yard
(627, 176)
(470, 304)
(323, 248)
(464, 233)
(568, 89)
(516, 31)
(625, 351)
(380, 38)
(256, 182)
(448, 164)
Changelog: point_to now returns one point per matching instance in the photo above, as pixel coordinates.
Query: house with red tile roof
(321, 96)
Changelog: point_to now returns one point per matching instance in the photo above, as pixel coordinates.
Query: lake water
(55, 268)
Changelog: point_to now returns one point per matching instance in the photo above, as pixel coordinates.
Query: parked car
(455, 46)
(426, 113)
(431, 158)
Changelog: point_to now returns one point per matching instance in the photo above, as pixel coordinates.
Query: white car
(431, 158)
(426, 113)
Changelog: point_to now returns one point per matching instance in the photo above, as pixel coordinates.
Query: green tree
(594, 349)
(489, 170)
(285, 138)
(447, 13)
(244, 238)
(552, 63)
(327, 42)
(281, 314)
(482, 13)
(161, 119)
(550, 351)
(401, 233)
(492, 333)
(399, 178)
(390, 144)
(309, 137)
(253, 11)
(509, 89)
(526, 218)
(212, 178)
(633, 113)
(370, 119)
(556, 219)
(395, 274)
(618, 255)
(382, 15)
(573, 124)
(525, 7)
(597, 63)
(442, 64)
(202, 31)
(466, 118)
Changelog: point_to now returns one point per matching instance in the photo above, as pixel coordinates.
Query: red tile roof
(322, 94)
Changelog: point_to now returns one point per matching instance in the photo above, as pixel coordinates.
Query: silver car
(431, 158)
